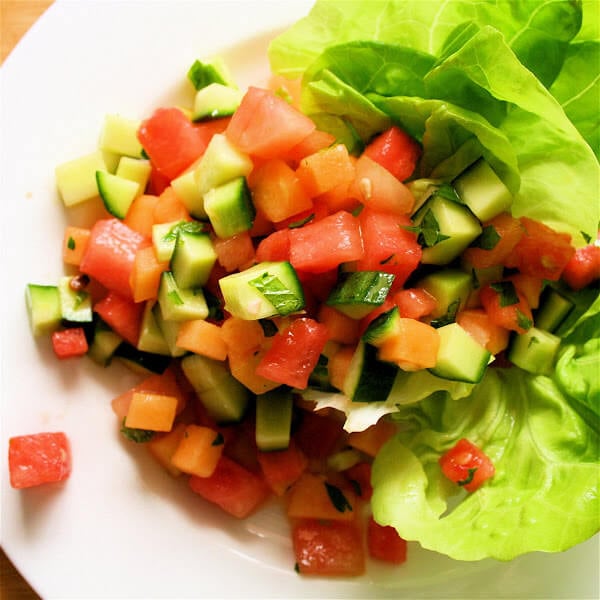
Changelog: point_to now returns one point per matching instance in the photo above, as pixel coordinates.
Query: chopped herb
(71, 243)
(301, 222)
(387, 260)
(475, 279)
(337, 498)
(145, 155)
(269, 328)
(533, 341)
(219, 440)
(586, 236)
(297, 567)
(449, 317)
(139, 436)
(192, 227)
(469, 477)
(488, 239)
(523, 321)
(175, 298)
(429, 231)
(507, 292)
(447, 192)
(285, 301)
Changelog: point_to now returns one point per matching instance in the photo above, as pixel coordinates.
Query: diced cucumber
(534, 351)
(382, 327)
(75, 305)
(144, 363)
(229, 207)
(216, 101)
(111, 160)
(357, 293)
(274, 419)
(264, 290)
(319, 377)
(446, 229)
(119, 135)
(151, 338)
(193, 258)
(483, 191)
(180, 304)
(368, 379)
(135, 169)
(76, 179)
(116, 192)
(187, 190)
(170, 330)
(450, 288)
(214, 70)
(220, 163)
(460, 357)
(554, 309)
(43, 308)
(104, 344)
(164, 236)
(223, 396)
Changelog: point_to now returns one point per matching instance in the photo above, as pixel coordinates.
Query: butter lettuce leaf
(543, 497)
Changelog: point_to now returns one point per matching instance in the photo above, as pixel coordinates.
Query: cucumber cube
(216, 101)
(451, 225)
(135, 169)
(193, 259)
(264, 290)
(534, 351)
(164, 237)
(151, 337)
(75, 305)
(220, 163)
(170, 330)
(460, 357)
(229, 208)
(214, 70)
(116, 192)
(178, 304)
(483, 191)
(119, 135)
(76, 179)
(104, 344)
(273, 420)
(43, 308)
(450, 288)
(223, 396)
(187, 190)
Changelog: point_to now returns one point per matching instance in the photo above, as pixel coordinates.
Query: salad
(450, 115)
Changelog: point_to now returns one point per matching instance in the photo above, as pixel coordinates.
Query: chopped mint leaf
(469, 477)
(449, 317)
(139, 436)
(429, 231)
(523, 321)
(219, 440)
(183, 227)
(488, 239)
(447, 192)
(284, 300)
(301, 222)
(507, 292)
(71, 243)
(337, 498)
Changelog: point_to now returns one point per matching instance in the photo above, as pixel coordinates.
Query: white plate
(121, 527)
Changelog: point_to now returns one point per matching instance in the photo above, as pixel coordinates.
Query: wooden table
(16, 16)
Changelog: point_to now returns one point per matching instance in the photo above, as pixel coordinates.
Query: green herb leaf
(469, 477)
(192, 227)
(174, 297)
(337, 498)
(447, 192)
(219, 440)
(507, 292)
(449, 317)
(301, 222)
(524, 321)
(284, 300)
(488, 239)
(71, 243)
(429, 231)
(139, 436)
